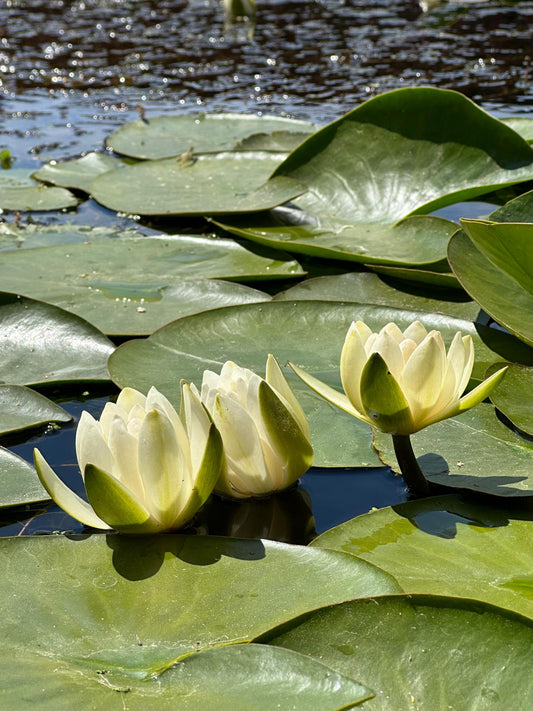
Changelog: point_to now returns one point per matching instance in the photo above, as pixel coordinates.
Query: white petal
(91, 446)
(162, 467)
(389, 349)
(124, 449)
(421, 380)
(392, 330)
(416, 332)
(353, 359)
(197, 424)
(244, 454)
(129, 397)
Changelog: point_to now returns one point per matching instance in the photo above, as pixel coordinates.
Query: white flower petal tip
(141, 475)
(264, 430)
(401, 382)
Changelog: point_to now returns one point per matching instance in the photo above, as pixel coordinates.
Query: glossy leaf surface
(21, 408)
(19, 483)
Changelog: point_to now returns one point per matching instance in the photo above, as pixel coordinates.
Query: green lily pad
(309, 333)
(423, 652)
(43, 344)
(418, 240)
(472, 451)
(408, 151)
(167, 136)
(28, 236)
(493, 262)
(21, 408)
(520, 124)
(520, 209)
(277, 141)
(19, 483)
(363, 287)
(18, 191)
(133, 284)
(101, 616)
(439, 279)
(78, 173)
(447, 545)
(203, 185)
(244, 677)
(513, 400)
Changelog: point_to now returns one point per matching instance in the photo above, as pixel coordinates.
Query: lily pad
(101, 616)
(167, 136)
(520, 209)
(43, 344)
(520, 124)
(419, 240)
(440, 279)
(18, 191)
(203, 185)
(408, 151)
(78, 173)
(309, 333)
(494, 263)
(132, 284)
(21, 408)
(473, 451)
(447, 545)
(363, 287)
(19, 483)
(423, 652)
(513, 398)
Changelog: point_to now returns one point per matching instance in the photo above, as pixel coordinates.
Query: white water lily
(404, 381)
(263, 428)
(146, 469)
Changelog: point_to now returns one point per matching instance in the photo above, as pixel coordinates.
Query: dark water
(71, 72)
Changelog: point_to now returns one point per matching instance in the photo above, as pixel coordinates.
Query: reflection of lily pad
(204, 185)
(167, 136)
(423, 652)
(78, 173)
(109, 617)
(475, 451)
(21, 408)
(309, 333)
(447, 545)
(133, 284)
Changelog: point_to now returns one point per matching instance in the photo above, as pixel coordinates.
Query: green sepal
(210, 471)
(115, 505)
(285, 433)
(482, 391)
(383, 399)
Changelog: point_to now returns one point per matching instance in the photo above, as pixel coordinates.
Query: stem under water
(417, 484)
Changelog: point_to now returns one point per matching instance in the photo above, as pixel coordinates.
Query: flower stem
(417, 484)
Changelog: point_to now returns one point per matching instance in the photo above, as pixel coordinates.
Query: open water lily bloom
(404, 381)
(146, 469)
(263, 428)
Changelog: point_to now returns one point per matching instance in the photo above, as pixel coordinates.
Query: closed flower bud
(145, 468)
(264, 430)
(401, 382)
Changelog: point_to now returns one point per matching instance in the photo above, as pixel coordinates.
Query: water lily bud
(263, 427)
(146, 469)
(404, 381)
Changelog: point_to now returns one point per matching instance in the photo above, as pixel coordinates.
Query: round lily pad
(21, 408)
(18, 191)
(78, 173)
(202, 185)
(167, 136)
(19, 483)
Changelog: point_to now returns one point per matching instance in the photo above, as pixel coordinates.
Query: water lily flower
(145, 468)
(263, 428)
(404, 381)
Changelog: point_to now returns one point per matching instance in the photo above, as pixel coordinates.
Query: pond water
(71, 72)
